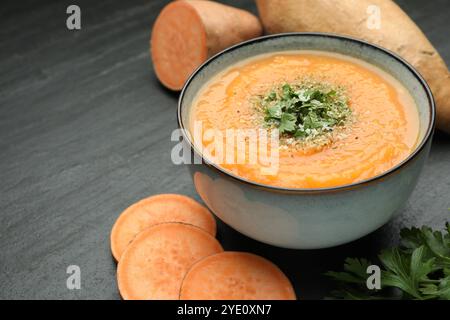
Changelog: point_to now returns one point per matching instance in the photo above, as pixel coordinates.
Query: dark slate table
(85, 131)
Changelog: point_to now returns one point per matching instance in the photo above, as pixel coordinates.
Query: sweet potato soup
(340, 120)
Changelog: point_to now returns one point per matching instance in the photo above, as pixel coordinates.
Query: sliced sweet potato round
(154, 264)
(154, 210)
(236, 276)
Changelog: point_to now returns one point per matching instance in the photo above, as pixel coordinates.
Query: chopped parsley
(309, 111)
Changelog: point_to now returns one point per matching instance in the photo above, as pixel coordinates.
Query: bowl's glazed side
(306, 221)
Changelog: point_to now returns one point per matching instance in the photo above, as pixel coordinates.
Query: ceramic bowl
(309, 218)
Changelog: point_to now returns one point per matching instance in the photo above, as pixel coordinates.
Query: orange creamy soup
(383, 130)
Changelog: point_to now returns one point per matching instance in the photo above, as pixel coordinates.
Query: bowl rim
(344, 187)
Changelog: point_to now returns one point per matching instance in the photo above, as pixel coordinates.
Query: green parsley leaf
(274, 111)
(271, 96)
(288, 92)
(287, 123)
(355, 271)
(405, 271)
(436, 242)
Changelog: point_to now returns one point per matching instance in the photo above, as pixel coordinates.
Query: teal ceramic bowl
(309, 218)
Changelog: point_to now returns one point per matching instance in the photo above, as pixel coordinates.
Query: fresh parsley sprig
(306, 110)
(418, 269)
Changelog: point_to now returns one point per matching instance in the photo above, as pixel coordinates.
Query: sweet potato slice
(154, 210)
(187, 32)
(154, 264)
(236, 276)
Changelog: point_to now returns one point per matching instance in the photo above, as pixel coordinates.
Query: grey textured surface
(85, 131)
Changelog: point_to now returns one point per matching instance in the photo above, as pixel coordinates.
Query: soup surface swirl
(383, 131)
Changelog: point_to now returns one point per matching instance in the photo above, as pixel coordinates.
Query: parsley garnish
(305, 111)
(418, 269)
